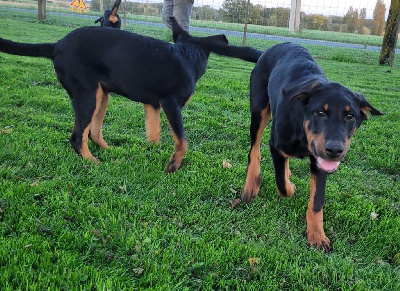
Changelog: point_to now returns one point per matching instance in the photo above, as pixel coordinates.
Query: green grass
(66, 224)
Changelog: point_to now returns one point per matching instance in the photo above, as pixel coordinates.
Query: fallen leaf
(7, 130)
(235, 202)
(254, 263)
(225, 164)
(28, 246)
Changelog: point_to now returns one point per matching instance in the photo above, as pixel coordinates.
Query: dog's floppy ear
(302, 91)
(178, 33)
(365, 106)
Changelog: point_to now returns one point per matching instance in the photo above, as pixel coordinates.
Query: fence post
(101, 7)
(391, 34)
(246, 19)
(124, 14)
(294, 20)
(42, 10)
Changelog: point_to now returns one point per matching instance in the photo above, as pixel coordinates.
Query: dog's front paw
(172, 166)
(320, 241)
(251, 188)
(288, 191)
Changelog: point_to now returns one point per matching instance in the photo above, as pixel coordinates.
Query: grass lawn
(66, 224)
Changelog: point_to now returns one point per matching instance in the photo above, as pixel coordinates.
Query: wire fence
(354, 24)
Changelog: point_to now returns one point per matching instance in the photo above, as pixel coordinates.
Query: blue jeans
(180, 9)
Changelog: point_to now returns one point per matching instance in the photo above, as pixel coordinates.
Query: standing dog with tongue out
(312, 117)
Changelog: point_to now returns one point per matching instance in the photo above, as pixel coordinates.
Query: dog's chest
(289, 139)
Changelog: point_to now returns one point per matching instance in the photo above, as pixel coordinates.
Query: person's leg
(167, 12)
(182, 11)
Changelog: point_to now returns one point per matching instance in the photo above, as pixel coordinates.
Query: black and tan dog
(111, 17)
(312, 117)
(92, 62)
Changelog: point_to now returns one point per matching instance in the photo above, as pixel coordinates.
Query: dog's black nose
(334, 149)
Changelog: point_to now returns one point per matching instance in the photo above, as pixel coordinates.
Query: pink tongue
(327, 166)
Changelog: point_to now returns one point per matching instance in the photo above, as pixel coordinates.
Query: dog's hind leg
(259, 120)
(96, 134)
(315, 229)
(86, 106)
(282, 173)
(173, 112)
(153, 130)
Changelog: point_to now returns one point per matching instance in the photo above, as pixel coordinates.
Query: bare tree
(378, 24)
(361, 20)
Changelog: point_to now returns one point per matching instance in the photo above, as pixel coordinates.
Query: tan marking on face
(113, 18)
(253, 177)
(326, 107)
(96, 134)
(347, 108)
(152, 123)
(315, 226)
(317, 139)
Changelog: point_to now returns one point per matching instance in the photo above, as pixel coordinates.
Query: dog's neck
(194, 56)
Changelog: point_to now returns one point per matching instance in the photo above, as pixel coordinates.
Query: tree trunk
(42, 10)
(391, 34)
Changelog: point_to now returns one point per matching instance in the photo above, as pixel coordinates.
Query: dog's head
(332, 114)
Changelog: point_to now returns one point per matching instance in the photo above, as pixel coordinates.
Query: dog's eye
(320, 113)
(350, 117)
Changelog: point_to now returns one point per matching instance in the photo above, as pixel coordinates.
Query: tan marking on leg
(188, 100)
(175, 161)
(290, 187)
(315, 226)
(96, 134)
(84, 150)
(253, 177)
(152, 122)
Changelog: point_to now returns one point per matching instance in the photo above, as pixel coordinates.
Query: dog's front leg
(259, 120)
(315, 228)
(282, 173)
(173, 112)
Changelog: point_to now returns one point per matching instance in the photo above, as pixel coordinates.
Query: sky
(326, 7)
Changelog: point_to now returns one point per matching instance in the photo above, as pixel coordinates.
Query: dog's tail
(44, 50)
(216, 44)
(240, 52)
